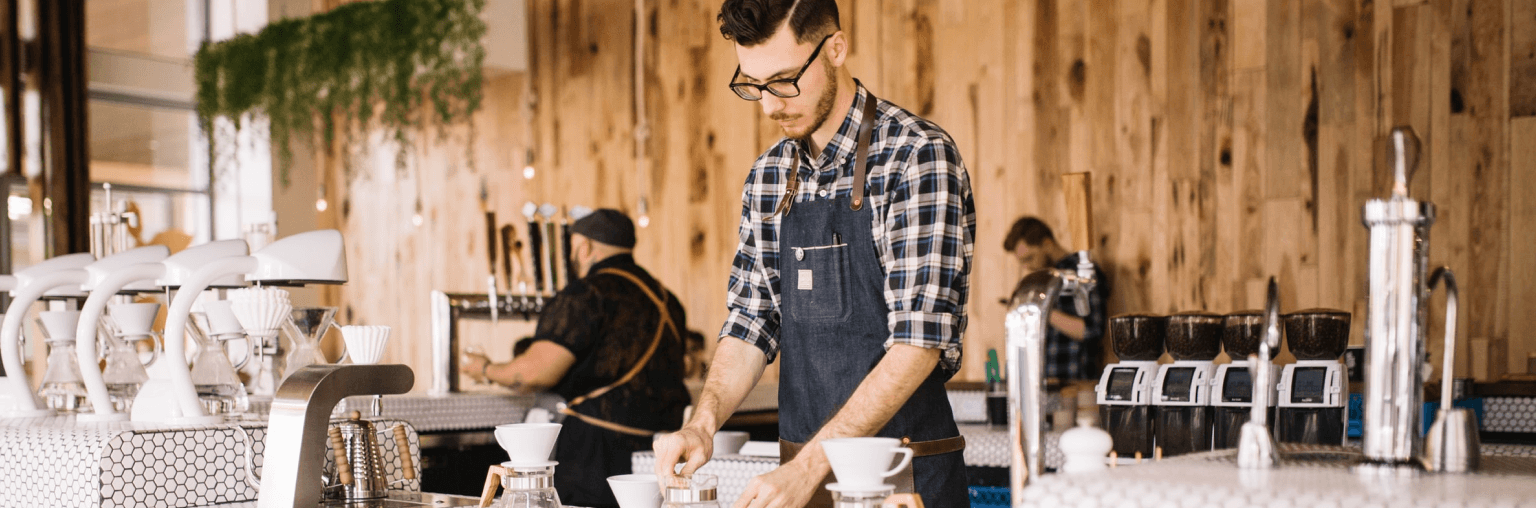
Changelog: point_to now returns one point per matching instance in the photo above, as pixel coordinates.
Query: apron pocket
(818, 278)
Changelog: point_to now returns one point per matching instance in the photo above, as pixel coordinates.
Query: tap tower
(1395, 312)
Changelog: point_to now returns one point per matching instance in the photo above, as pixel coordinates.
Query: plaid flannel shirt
(924, 227)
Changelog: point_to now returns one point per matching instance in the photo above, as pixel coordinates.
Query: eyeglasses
(782, 88)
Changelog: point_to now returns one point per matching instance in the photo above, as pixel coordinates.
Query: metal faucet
(1027, 324)
(301, 411)
(1395, 313)
(448, 308)
(1255, 445)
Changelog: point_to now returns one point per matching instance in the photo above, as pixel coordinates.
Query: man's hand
(789, 486)
(692, 445)
(473, 365)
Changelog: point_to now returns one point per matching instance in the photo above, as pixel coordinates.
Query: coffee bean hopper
(1182, 392)
(1125, 388)
(1232, 391)
(1314, 393)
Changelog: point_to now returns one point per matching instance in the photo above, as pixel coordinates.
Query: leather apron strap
(662, 326)
(860, 165)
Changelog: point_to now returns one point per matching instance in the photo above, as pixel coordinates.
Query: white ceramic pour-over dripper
(134, 318)
(59, 324)
(860, 463)
(260, 310)
(528, 444)
(636, 490)
(365, 344)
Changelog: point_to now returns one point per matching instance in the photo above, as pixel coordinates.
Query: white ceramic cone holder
(528, 444)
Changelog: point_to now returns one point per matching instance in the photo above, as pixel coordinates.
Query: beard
(823, 106)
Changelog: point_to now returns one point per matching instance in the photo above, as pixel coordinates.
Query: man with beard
(852, 268)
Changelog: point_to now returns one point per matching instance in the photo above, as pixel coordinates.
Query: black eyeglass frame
(740, 88)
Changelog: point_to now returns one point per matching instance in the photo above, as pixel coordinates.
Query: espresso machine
(1125, 389)
(1314, 391)
(1181, 395)
(1232, 390)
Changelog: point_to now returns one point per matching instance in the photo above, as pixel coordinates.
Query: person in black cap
(612, 343)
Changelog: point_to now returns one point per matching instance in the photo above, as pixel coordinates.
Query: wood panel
(1229, 140)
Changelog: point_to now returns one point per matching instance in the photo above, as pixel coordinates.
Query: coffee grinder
(1125, 388)
(1314, 393)
(1181, 395)
(1232, 391)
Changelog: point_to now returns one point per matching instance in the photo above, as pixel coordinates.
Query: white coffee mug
(861, 461)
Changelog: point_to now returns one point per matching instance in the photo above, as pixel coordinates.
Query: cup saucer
(867, 489)
(529, 465)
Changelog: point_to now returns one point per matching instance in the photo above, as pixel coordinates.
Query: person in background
(852, 268)
(612, 344)
(1074, 343)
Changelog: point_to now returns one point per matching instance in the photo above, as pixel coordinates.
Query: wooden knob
(339, 451)
(354, 415)
(403, 444)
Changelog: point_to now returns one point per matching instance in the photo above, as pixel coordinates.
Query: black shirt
(607, 323)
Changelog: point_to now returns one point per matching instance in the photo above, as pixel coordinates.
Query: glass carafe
(124, 372)
(62, 390)
(532, 487)
(309, 324)
(218, 386)
(691, 491)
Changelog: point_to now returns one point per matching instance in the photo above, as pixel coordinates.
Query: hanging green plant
(398, 66)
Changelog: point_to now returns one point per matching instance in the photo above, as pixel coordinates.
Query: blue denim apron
(834, 329)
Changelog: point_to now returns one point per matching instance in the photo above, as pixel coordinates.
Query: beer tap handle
(1402, 158)
(1077, 187)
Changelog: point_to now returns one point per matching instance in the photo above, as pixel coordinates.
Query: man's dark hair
(1030, 230)
(750, 22)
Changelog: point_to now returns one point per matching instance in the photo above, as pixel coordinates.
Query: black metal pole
(66, 161)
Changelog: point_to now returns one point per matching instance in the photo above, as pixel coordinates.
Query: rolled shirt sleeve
(927, 237)
(752, 310)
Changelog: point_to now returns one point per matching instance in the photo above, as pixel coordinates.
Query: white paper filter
(365, 344)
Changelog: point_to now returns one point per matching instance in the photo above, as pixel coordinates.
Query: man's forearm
(736, 368)
(1069, 325)
(883, 392)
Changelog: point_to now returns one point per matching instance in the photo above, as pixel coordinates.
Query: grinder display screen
(1121, 384)
(1176, 384)
(1307, 385)
(1238, 386)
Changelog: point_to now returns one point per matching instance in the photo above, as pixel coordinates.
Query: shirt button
(823, 193)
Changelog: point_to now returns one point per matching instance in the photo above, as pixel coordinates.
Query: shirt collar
(614, 261)
(845, 141)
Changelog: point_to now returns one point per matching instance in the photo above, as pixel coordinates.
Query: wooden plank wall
(1229, 140)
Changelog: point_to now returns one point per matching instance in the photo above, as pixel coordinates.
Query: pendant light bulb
(528, 172)
(416, 218)
(645, 220)
(321, 205)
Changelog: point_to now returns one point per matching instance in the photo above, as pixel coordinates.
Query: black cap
(608, 226)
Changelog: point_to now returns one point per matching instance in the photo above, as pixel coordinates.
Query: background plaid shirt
(1068, 359)
(924, 225)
